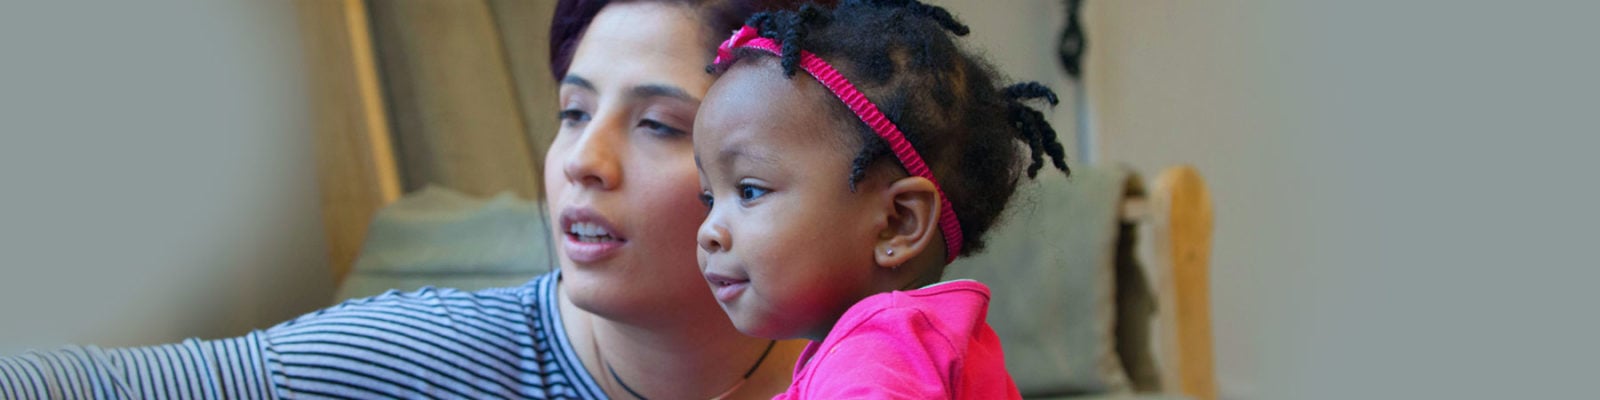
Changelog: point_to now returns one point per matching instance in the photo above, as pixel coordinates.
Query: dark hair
(572, 17)
(902, 55)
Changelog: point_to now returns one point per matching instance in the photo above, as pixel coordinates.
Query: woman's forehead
(632, 44)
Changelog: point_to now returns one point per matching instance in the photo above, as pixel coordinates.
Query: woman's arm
(431, 343)
(218, 369)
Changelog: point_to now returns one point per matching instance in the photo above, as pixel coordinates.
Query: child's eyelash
(748, 192)
(705, 198)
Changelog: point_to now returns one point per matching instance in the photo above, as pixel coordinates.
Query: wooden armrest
(1178, 218)
(355, 161)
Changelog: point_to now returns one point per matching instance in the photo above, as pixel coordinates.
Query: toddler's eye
(705, 198)
(749, 192)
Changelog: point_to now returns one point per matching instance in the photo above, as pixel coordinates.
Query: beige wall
(1404, 206)
(156, 172)
(1403, 190)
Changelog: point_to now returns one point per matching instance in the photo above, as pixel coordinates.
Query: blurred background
(1402, 189)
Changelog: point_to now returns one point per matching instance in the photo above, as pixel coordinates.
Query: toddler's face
(786, 247)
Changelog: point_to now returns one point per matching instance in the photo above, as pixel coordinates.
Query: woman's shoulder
(507, 310)
(492, 343)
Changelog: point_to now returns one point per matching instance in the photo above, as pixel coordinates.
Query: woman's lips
(588, 237)
(726, 288)
(590, 252)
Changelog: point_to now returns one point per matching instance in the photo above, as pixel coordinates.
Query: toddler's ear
(913, 229)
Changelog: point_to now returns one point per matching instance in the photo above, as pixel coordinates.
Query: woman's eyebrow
(662, 90)
(642, 91)
(575, 80)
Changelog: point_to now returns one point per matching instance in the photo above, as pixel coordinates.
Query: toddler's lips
(726, 288)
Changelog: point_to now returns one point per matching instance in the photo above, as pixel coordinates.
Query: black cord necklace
(725, 393)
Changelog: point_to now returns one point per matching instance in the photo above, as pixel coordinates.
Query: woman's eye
(659, 129)
(751, 192)
(572, 116)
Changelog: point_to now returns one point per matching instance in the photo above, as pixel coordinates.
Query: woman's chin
(613, 289)
(595, 291)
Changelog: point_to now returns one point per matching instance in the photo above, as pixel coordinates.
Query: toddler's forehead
(756, 96)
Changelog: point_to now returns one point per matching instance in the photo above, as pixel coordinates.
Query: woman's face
(620, 175)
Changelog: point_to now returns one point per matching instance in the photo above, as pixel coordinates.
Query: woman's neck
(693, 358)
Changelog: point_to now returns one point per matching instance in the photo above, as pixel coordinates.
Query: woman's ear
(913, 227)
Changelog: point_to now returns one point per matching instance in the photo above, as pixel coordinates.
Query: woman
(627, 315)
(622, 187)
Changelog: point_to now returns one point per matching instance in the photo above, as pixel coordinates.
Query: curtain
(411, 93)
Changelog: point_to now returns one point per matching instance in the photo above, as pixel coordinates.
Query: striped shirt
(431, 343)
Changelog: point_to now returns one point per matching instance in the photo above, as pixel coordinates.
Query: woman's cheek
(555, 163)
(675, 198)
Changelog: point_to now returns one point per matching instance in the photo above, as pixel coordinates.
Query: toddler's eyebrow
(736, 151)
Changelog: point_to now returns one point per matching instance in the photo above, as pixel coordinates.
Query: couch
(1100, 285)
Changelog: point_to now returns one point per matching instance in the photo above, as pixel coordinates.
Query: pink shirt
(929, 343)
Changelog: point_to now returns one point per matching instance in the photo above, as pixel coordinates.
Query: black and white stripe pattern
(193, 369)
(431, 343)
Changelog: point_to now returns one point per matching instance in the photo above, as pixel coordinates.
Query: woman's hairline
(564, 53)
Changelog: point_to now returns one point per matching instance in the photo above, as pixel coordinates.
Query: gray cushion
(440, 237)
(1050, 265)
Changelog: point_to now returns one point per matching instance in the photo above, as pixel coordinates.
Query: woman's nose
(713, 236)
(593, 161)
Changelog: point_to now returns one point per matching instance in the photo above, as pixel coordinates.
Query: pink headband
(747, 37)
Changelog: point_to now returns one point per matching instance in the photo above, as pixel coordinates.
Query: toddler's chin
(753, 328)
